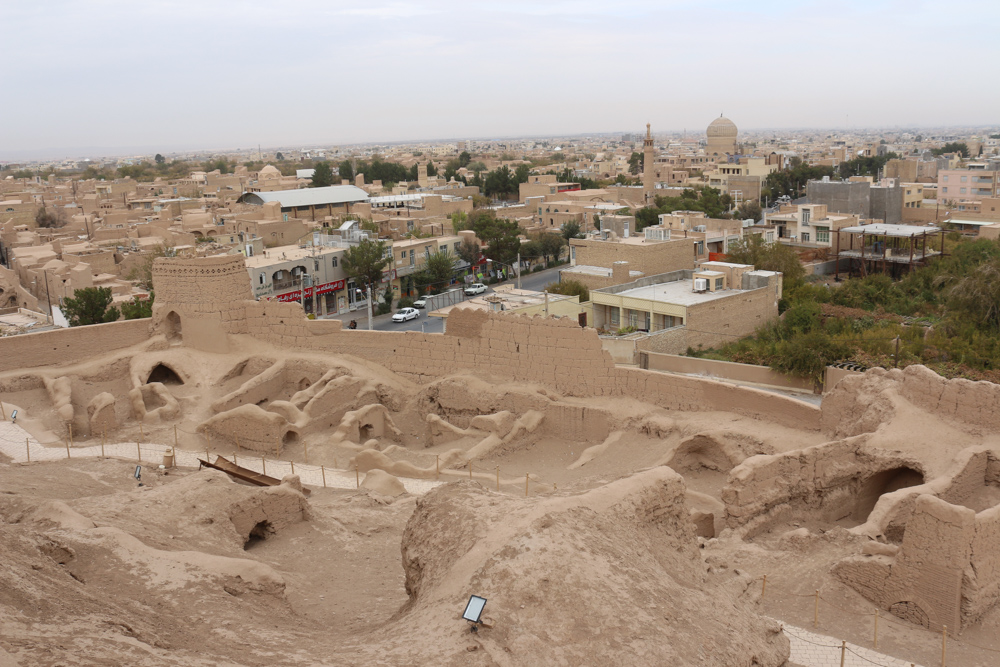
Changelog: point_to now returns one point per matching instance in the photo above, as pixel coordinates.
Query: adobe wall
(858, 403)
(726, 370)
(820, 481)
(68, 346)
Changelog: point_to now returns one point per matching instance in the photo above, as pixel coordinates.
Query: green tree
(635, 163)
(90, 305)
(552, 245)
(431, 169)
(521, 174)
(764, 256)
(323, 175)
(464, 159)
(468, 250)
(278, 156)
(347, 170)
(953, 147)
(459, 221)
(159, 159)
(569, 288)
(440, 269)
(365, 262)
(137, 308)
(53, 219)
(501, 237)
(499, 183)
(976, 296)
(570, 230)
(750, 210)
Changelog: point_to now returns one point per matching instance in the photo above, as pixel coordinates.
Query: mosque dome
(721, 127)
(271, 170)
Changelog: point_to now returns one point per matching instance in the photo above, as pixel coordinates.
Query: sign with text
(325, 288)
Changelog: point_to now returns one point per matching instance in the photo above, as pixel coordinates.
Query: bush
(538, 267)
(405, 302)
(383, 309)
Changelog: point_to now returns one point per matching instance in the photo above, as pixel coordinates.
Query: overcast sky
(175, 74)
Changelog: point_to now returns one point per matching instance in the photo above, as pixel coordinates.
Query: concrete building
(592, 260)
(309, 203)
(809, 224)
(859, 197)
(970, 184)
(719, 303)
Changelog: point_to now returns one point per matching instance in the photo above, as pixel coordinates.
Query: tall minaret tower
(648, 175)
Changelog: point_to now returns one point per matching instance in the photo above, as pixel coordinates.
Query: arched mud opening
(172, 326)
(290, 438)
(304, 384)
(910, 611)
(164, 374)
(258, 534)
(880, 484)
(704, 465)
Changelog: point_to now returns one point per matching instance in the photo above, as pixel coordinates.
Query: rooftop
(678, 292)
(901, 231)
(287, 253)
(596, 271)
(334, 194)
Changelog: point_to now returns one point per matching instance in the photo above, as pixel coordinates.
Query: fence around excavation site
(21, 447)
(861, 656)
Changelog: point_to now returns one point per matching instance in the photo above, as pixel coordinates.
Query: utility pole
(48, 297)
(518, 269)
(370, 324)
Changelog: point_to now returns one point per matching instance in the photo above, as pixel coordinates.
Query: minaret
(648, 177)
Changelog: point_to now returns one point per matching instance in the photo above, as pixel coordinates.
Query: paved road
(529, 281)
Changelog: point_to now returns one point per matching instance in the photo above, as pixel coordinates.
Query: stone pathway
(812, 650)
(18, 444)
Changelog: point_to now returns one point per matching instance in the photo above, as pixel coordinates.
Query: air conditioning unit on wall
(701, 284)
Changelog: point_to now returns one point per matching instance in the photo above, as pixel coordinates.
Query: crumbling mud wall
(66, 346)
(860, 403)
(834, 481)
(632, 540)
(201, 301)
(947, 570)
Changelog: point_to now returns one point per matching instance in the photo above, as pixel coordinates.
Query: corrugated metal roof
(334, 194)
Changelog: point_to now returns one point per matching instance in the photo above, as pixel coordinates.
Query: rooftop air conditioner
(701, 284)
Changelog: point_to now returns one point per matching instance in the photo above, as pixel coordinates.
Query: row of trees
(92, 305)
(705, 199)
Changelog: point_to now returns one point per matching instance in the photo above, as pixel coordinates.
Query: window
(411, 257)
(944, 190)
(806, 215)
(615, 316)
(261, 278)
(961, 191)
(822, 235)
(333, 261)
(443, 249)
(718, 283)
(458, 244)
(945, 178)
(805, 237)
(965, 178)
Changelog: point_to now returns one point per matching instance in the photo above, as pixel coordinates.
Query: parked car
(420, 303)
(474, 289)
(405, 314)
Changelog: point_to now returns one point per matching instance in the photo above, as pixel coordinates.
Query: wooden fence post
(142, 435)
(357, 476)
(293, 466)
(71, 432)
(470, 471)
(876, 628)
(175, 436)
(263, 465)
(944, 645)
(525, 485)
(102, 444)
(138, 452)
(322, 471)
(843, 650)
(67, 448)
(27, 449)
(763, 587)
(816, 612)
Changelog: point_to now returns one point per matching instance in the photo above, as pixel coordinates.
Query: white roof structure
(334, 194)
(880, 229)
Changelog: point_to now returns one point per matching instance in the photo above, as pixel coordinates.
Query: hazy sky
(175, 74)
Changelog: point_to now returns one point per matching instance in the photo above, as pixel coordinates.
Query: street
(529, 281)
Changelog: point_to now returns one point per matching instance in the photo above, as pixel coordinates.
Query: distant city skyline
(120, 78)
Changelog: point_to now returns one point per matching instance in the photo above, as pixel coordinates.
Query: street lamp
(360, 293)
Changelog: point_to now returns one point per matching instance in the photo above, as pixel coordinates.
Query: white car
(405, 314)
(474, 289)
(420, 303)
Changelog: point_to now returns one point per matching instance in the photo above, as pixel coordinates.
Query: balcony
(282, 285)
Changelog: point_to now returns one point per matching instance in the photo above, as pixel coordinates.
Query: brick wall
(651, 258)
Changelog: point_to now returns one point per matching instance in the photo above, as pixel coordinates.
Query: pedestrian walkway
(18, 444)
(812, 650)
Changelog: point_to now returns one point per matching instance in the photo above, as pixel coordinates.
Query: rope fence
(878, 617)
